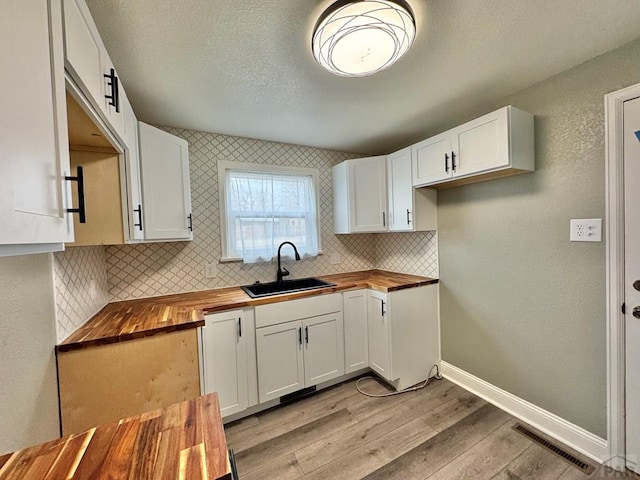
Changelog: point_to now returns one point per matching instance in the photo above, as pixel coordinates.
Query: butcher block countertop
(122, 321)
(184, 441)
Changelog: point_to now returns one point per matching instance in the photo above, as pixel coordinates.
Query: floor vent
(552, 447)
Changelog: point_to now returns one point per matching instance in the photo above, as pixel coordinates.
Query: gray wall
(28, 395)
(522, 307)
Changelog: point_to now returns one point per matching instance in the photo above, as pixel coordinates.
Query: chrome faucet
(283, 272)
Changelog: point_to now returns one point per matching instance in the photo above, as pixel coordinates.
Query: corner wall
(29, 394)
(521, 307)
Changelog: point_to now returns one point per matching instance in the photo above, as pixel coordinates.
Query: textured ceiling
(245, 68)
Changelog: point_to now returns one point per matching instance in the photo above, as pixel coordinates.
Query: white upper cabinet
(166, 190)
(410, 209)
(360, 195)
(495, 145)
(34, 155)
(89, 65)
(134, 211)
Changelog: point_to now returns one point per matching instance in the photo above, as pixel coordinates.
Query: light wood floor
(439, 432)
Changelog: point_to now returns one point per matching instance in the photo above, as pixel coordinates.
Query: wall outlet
(210, 270)
(93, 289)
(586, 230)
(335, 259)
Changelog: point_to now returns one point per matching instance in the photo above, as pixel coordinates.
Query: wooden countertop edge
(368, 281)
(125, 337)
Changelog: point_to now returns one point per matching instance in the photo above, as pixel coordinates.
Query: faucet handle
(284, 272)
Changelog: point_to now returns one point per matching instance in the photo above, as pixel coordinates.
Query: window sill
(239, 259)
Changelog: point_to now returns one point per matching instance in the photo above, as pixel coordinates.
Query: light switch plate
(586, 230)
(335, 259)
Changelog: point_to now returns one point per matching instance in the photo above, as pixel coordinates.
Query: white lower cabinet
(228, 356)
(404, 334)
(298, 353)
(356, 347)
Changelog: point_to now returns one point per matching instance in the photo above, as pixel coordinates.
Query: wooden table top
(122, 321)
(183, 441)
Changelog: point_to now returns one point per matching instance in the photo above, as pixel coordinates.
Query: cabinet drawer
(281, 312)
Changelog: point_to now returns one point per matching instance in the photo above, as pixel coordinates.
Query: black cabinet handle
(306, 335)
(190, 218)
(114, 98)
(446, 163)
(300, 335)
(139, 212)
(384, 219)
(81, 210)
(453, 161)
(239, 327)
(408, 220)
(382, 311)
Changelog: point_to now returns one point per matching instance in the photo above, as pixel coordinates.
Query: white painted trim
(571, 435)
(614, 227)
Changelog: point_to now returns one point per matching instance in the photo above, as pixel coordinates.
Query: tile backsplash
(164, 268)
(86, 278)
(80, 287)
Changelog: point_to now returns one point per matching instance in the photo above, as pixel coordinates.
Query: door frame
(614, 225)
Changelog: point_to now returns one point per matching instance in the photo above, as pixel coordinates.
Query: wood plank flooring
(441, 432)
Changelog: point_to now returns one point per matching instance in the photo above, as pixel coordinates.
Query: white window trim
(224, 165)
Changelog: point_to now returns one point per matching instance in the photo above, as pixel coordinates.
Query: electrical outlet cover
(586, 230)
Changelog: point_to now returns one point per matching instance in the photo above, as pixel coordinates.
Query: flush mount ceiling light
(361, 37)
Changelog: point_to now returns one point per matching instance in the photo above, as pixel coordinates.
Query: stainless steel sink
(258, 290)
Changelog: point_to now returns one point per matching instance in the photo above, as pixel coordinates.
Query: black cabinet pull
(453, 161)
(114, 98)
(382, 311)
(408, 220)
(81, 210)
(190, 218)
(239, 327)
(306, 335)
(446, 163)
(300, 335)
(139, 212)
(384, 219)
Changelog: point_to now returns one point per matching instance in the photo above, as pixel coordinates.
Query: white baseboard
(566, 432)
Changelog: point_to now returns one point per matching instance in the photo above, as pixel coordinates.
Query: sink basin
(258, 290)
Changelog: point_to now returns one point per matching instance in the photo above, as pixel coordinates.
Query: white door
(481, 144)
(432, 160)
(225, 362)
(368, 194)
(356, 347)
(323, 348)
(400, 191)
(280, 360)
(379, 335)
(632, 279)
(166, 192)
(34, 153)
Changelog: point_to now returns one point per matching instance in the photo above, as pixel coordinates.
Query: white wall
(28, 391)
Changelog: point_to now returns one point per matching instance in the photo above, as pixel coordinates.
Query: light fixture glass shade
(360, 38)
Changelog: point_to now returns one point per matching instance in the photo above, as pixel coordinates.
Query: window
(262, 206)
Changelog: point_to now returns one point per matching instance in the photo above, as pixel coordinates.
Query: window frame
(226, 165)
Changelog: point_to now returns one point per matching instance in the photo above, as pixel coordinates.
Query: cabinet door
(356, 347)
(82, 50)
(323, 348)
(368, 194)
(280, 360)
(134, 214)
(432, 160)
(225, 360)
(166, 192)
(34, 154)
(379, 335)
(481, 144)
(112, 94)
(401, 208)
